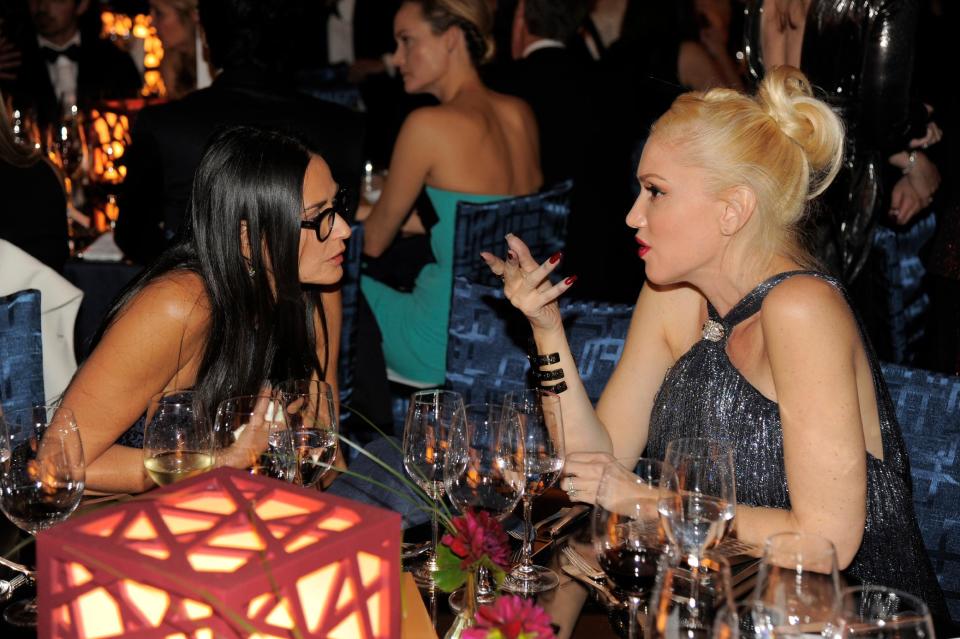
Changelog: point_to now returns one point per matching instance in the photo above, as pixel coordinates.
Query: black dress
(704, 395)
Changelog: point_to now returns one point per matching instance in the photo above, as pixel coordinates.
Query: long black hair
(248, 178)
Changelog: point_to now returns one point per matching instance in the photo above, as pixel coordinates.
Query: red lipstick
(644, 247)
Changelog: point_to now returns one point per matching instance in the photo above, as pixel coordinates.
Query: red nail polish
(570, 280)
(556, 257)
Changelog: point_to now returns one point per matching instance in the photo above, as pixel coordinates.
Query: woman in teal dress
(476, 146)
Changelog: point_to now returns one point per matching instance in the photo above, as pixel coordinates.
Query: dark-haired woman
(476, 145)
(231, 306)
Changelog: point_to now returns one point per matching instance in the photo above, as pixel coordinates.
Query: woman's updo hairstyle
(474, 18)
(783, 143)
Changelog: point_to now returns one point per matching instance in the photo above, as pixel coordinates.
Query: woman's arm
(140, 355)
(619, 424)
(332, 302)
(812, 342)
(409, 167)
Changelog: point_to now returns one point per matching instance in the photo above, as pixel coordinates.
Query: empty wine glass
(426, 435)
(689, 594)
(626, 529)
(177, 439)
(484, 465)
(698, 501)
(542, 426)
(798, 584)
(311, 418)
(42, 480)
(876, 612)
(743, 621)
(251, 432)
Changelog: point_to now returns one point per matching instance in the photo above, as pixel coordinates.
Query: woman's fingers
(522, 252)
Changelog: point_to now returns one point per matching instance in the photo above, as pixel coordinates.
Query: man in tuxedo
(62, 67)
(249, 44)
(552, 79)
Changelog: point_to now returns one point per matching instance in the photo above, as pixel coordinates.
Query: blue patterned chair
(350, 293)
(928, 409)
(21, 351)
(540, 219)
(487, 348)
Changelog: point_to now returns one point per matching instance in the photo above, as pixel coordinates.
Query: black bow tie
(51, 54)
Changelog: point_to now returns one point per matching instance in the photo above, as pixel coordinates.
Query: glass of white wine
(177, 439)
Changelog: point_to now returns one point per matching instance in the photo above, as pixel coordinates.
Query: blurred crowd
(594, 73)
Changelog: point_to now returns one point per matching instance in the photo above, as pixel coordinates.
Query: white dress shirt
(543, 43)
(63, 72)
(340, 33)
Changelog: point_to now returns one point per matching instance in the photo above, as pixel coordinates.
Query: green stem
(446, 516)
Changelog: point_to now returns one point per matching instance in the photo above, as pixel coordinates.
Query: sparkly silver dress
(704, 395)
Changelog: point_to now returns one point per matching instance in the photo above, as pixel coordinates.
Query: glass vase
(466, 618)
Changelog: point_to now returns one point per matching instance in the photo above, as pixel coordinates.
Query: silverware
(12, 565)
(518, 534)
(410, 550)
(582, 564)
(574, 513)
(7, 588)
(608, 597)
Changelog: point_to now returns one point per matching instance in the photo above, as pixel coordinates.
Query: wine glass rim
(919, 605)
(31, 410)
(708, 446)
(417, 397)
(813, 545)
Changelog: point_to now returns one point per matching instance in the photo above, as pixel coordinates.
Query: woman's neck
(458, 83)
(729, 282)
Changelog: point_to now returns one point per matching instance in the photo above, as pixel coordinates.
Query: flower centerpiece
(511, 617)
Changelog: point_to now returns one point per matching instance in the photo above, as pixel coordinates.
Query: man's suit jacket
(168, 141)
(557, 85)
(104, 72)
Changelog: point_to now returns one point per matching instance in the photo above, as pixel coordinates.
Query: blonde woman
(476, 145)
(177, 23)
(736, 339)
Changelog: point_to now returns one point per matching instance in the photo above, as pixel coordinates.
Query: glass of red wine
(627, 536)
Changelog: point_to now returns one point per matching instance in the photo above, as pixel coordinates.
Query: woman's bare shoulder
(806, 307)
(179, 296)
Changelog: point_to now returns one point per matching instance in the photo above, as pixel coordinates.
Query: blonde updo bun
(786, 96)
(473, 17)
(784, 144)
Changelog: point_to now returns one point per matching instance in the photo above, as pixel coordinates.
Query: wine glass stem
(437, 495)
(633, 609)
(525, 561)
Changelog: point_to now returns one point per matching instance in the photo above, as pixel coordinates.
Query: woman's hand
(582, 472)
(904, 201)
(933, 135)
(527, 285)
(925, 179)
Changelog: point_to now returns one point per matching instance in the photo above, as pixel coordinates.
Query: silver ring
(572, 493)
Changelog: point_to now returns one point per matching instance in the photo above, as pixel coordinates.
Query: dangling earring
(251, 272)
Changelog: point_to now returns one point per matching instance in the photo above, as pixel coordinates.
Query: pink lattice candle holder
(225, 554)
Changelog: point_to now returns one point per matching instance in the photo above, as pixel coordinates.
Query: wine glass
(177, 440)
(689, 594)
(542, 427)
(484, 466)
(311, 418)
(251, 432)
(738, 622)
(626, 529)
(798, 584)
(42, 480)
(426, 435)
(698, 500)
(876, 612)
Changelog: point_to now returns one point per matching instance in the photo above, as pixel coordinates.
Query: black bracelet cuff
(546, 376)
(545, 360)
(556, 388)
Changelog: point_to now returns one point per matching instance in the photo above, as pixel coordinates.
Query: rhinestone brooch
(712, 330)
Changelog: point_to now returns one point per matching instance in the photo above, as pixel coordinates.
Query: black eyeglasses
(323, 223)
